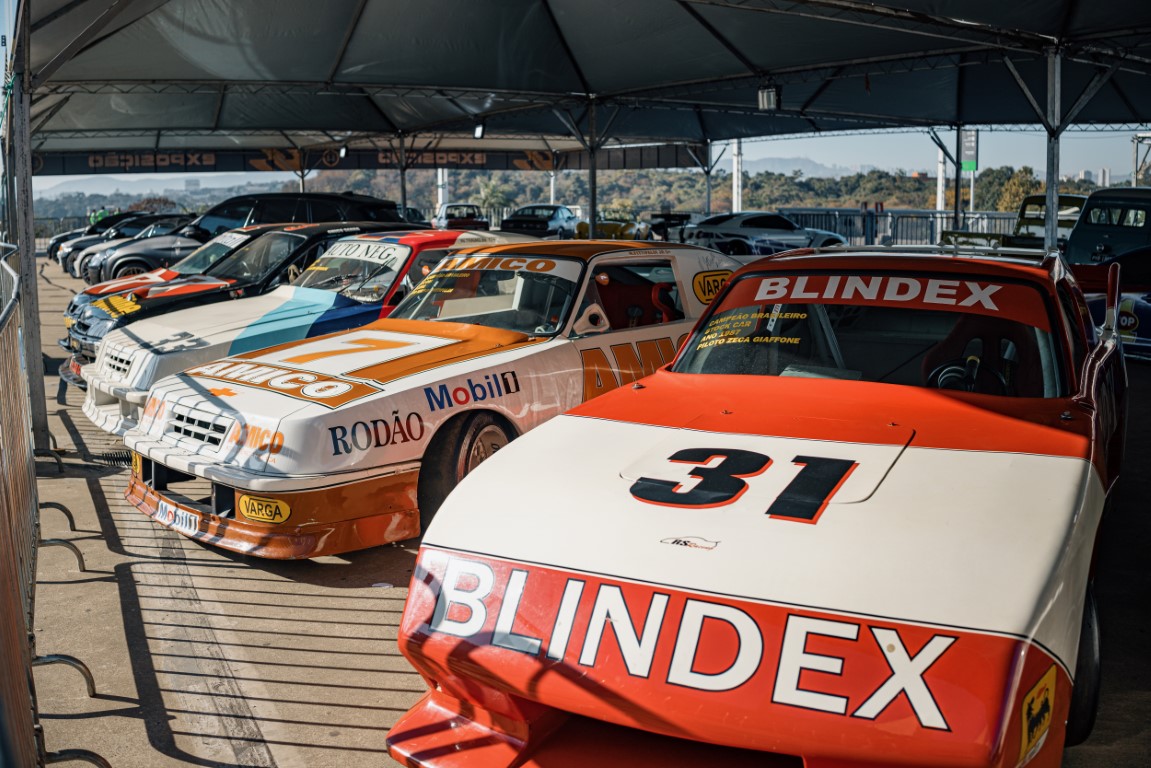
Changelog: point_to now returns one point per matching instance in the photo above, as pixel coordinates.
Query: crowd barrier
(18, 536)
(21, 740)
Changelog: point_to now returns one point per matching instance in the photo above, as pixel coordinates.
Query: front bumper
(69, 372)
(323, 519)
(113, 407)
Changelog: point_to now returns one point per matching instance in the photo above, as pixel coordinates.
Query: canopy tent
(303, 76)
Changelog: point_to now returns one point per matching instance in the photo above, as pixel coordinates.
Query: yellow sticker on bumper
(264, 510)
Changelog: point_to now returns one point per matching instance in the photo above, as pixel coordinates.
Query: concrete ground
(207, 658)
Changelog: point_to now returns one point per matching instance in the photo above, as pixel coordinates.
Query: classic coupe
(853, 524)
(352, 440)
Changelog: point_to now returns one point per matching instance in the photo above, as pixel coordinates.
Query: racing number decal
(806, 496)
(720, 474)
(352, 346)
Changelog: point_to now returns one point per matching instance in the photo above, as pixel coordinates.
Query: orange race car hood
(826, 586)
(385, 376)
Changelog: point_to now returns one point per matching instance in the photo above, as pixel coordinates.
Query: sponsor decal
(962, 293)
(328, 391)
(69, 321)
(137, 464)
(1014, 301)
(255, 438)
(365, 250)
(707, 284)
(507, 264)
(852, 668)
(126, 161)
(1127, 319)
(694, 542)
(632, 362)
(153, 410)
(1035, 715)
(117, 306)
(264, 510)
(222, 392)
(74, 366)
(491, 386)
(376, 433)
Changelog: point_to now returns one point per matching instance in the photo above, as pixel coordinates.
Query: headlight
(99, 328)
(101, 257)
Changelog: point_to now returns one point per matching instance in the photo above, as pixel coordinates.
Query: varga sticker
(264, 510)
(708, 284)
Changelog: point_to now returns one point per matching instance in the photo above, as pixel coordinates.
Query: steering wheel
(968, 374)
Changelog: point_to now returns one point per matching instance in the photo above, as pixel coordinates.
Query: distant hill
(150, 184)
(789, 165)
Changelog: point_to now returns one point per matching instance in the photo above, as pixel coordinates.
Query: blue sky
(1079, 150)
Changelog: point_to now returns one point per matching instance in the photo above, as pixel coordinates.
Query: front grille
(202, 426)
(117, 364)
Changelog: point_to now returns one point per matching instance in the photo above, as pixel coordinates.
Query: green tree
(1021, 184)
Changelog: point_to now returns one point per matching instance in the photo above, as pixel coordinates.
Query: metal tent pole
(1054, 116)
(21, 169)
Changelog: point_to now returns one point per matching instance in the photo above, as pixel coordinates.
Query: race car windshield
(974, 335)
(259, 258)
(198, 261)
(361, 270)
(529, 294)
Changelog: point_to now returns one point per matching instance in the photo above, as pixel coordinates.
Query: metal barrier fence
(21, 739)
(897, 226)
(19, 523)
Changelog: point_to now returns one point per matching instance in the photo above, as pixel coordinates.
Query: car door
(629, 322)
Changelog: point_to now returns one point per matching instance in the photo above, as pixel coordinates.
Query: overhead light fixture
(479, 130)
(343, 151)
(769, 98)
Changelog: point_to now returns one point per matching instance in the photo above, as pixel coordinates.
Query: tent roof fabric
(144, 74)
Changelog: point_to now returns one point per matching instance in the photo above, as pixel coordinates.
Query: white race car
(360, 278)
(852, 525)
(352, 440)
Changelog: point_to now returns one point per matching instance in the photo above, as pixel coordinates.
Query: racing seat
(661, 298)
(987, 355)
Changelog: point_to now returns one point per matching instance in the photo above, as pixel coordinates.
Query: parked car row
(726, 428)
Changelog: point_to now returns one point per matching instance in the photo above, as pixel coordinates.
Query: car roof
(1116, 193)
(348, 227)
(460, 238)
(585, 250)
(1030, 264)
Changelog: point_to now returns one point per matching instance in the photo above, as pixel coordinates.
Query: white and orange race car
(351, 440)
(851, 525)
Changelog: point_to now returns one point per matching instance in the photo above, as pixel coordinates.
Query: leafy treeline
(996, 189)
(633, 192)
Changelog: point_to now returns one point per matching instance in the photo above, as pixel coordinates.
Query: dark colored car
(282, 207)
(460, 216)
(128, 227)
(82, 265)
(92, 229)
(243, 211)
(551, 221)
(274, 258)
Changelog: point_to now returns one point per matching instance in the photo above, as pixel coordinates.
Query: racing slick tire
(1085, 694)
(454, 451)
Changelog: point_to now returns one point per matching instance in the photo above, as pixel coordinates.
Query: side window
(323, 210)
(276, 210)
(1134, 217)
(306, 257)
(626, 296)
(225, 217)
(1075, 319)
